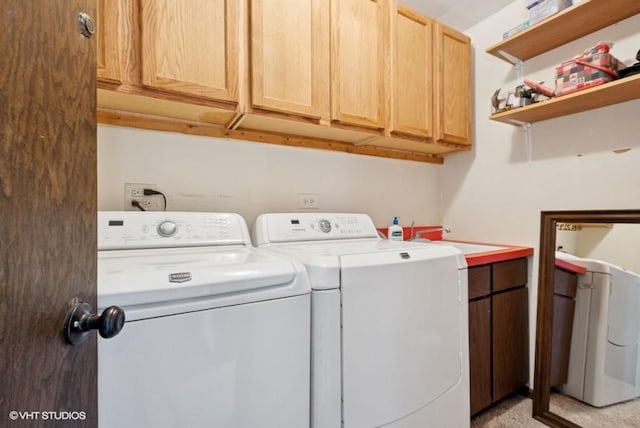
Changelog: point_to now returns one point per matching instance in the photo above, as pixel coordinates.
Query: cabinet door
(108, 53)
(453, 86)
(191, 47)
(479, 281)
(480, 354)
(509, 274)
(412, 74)
(510, 319)
(290, 56)
(564, 286)
(359, 35)
(563, 310)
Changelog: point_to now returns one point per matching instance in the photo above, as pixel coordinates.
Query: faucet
(419, 233)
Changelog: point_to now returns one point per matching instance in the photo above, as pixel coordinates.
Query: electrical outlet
(135, 191)
(308, 201)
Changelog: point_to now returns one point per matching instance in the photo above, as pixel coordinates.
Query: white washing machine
(604, 362)
(217, 332)
(389, 322)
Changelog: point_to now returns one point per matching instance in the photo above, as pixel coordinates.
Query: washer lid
(222, 276)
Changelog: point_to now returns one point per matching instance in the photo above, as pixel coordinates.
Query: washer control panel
(297, 227)
(157, 229)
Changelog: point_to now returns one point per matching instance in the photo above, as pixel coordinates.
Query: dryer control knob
(167, 228)
(325, 226)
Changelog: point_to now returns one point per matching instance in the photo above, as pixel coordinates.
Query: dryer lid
(322, 259)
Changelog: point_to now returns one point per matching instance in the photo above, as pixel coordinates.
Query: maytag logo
(180, 277)
(405, 255)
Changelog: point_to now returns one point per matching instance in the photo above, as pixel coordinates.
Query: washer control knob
(167, 228)
(325, 226)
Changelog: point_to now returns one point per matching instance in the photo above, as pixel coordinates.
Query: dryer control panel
(119, 230)
(296, 227)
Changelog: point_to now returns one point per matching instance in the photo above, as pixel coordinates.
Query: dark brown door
(47, 212)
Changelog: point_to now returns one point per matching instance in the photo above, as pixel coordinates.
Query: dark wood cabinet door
(480, 353)
(47, 212)
(509, 274)
(564, 286)
(510, 319)
(479, 281)
(563, 309)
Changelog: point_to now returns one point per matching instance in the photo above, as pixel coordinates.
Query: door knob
(80, 320)
(87, 27)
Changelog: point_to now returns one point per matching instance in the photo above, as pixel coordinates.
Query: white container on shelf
(395, 231)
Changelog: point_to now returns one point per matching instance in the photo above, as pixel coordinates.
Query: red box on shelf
(586, 72)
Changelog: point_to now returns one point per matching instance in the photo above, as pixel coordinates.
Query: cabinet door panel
(412, 74)
(191, 47)
(290, 56)
(480, 354)
(453, 97)
(479, 281)
(565, 283)
(107, 49)
(563, 310)
(509, 274)
(510, 319)
(358, 62)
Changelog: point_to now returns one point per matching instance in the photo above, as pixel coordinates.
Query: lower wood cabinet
(564, 293)
(498, 331)
(480, 354)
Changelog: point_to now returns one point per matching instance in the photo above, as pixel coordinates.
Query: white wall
(209, 174)
(494, 194)
(619, 245)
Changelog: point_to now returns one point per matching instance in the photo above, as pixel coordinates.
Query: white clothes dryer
(604, 361)
(389, 322)
(216, 332)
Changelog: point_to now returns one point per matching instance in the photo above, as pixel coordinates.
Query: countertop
(509, 252)
(568, 266)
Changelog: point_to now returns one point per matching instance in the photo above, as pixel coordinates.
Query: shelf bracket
(520, 72)
(519, 64)
(506, 55)
(526, 127)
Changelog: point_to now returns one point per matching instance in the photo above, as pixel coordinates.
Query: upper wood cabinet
(359, 76)
(359, 61)
(191, 47)
(290, 56)
(107, 43)
(411, 73)
(453, 86)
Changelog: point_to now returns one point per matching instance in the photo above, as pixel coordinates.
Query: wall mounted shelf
(610, 93)
(570, 24)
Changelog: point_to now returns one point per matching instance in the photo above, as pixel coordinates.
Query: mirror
(586, 353)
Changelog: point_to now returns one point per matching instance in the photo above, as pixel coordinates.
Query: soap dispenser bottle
(395, 231)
